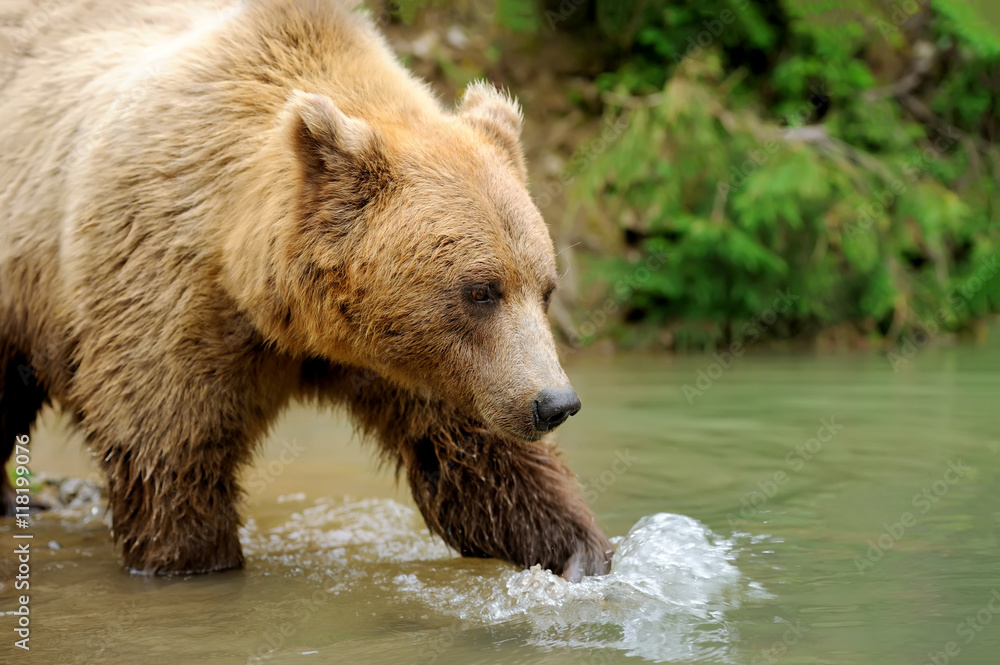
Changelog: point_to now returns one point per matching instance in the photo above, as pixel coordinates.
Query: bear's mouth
(510, 428)
(525, 435)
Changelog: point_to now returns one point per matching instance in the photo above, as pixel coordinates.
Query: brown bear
(209, 209)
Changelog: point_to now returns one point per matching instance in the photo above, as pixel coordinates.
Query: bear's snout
(552, 406)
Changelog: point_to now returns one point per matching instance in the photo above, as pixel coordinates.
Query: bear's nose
(553, 406)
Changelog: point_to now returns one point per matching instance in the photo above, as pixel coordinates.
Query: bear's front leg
(171, 515)
(171, 429)
(516, 501)
(486, 495)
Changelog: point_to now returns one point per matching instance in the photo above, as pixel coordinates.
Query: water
(801, 509)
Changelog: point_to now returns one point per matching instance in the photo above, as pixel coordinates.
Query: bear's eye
(547, 297)
(482, 294)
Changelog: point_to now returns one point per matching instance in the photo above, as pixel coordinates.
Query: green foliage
(513, 15)
(776, 147)
(976, 25)
(658, 35)
(518, 15)
(801, 178)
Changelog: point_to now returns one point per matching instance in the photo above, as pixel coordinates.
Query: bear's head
(418, 252)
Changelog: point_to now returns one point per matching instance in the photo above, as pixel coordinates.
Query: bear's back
(125, 123)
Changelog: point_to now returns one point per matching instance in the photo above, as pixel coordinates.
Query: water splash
(366, 530)
(671, 584)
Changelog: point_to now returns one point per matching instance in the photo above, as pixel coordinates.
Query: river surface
(796, 509)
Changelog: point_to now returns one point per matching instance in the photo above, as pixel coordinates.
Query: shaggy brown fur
(207, 211)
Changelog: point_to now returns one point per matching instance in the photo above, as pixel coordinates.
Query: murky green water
(821, 510)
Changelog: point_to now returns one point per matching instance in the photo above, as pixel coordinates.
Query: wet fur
(149, 300)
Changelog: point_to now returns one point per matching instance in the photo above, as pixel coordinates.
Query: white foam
(671, 584)
(370, 530)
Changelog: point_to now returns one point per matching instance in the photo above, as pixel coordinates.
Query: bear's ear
(497, 115)
(342, 163)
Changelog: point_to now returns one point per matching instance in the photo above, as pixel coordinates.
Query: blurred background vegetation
(702, 162)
